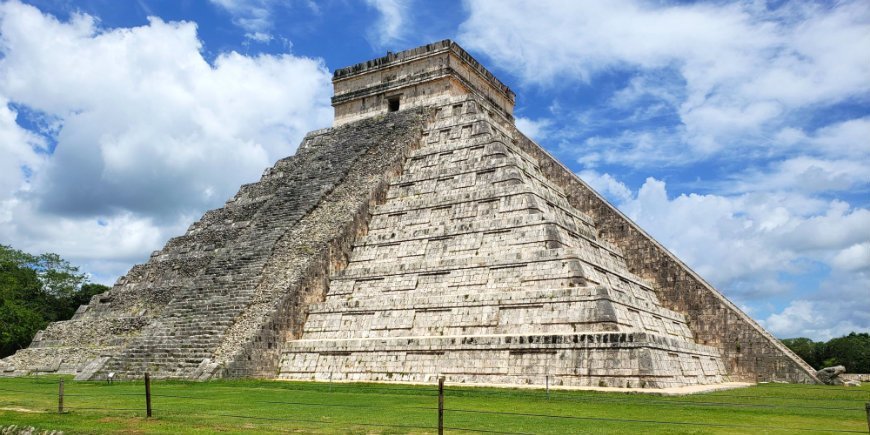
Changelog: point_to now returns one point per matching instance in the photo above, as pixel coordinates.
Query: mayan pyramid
(421, 236)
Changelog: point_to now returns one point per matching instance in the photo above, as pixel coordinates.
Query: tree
(851, 351)
(36, 290)
(807, 349)
(20, 303)
(18, 325)
(58, 277)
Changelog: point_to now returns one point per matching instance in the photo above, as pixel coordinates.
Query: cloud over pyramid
(422, 236)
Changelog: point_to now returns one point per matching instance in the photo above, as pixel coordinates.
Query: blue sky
(736, 133)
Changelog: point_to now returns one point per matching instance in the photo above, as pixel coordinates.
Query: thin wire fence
(422, 405)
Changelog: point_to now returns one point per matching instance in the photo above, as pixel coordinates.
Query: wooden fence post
(867, 409)
(441, 405)
(147, 394)
(60, 397)
(548, 387)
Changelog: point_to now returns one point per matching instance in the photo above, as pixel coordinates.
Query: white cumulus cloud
(254, 16)
(742, 244)
(734, 74)
(853, 258)
(391, 25)
(758, 108)
(535, 129)
(148, 133)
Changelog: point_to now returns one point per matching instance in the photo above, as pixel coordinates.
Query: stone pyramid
(422, 236)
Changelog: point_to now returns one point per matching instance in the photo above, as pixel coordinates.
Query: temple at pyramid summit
(422, 235)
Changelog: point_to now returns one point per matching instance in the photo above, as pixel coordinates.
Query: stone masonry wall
(225, 323)
(476, 267)
(318, 246)
(418, 76)
(750, 353)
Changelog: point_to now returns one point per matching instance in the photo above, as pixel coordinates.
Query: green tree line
(851, 351)
(34, 291)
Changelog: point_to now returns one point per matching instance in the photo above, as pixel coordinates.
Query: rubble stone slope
(171, 316)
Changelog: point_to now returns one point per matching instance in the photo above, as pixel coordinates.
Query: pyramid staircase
(477, 268)
(207, 321)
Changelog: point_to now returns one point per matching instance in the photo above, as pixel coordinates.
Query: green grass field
(267, 406)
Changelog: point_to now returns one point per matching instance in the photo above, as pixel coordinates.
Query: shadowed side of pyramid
(219, 300)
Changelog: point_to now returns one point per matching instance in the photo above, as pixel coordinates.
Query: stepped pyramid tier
(422, 236)
(476, 267)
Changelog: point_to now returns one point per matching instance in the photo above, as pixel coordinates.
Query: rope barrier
(29, 392)
(464, 429)
(563, 399)
(278, 402)
(599, 399)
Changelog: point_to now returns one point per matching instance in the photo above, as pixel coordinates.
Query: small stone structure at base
(831, 375)
(857, 377)
(423, 235)
(836, 375)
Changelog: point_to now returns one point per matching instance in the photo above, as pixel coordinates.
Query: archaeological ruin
(422, 235)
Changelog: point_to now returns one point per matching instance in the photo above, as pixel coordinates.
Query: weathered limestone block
(831, 375)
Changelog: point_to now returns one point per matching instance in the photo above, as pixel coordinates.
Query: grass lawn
(272, 406)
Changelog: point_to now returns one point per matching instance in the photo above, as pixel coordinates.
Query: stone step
(513, 197)
(512, 297)
(576, 359)
(537, 263)
(383, 229)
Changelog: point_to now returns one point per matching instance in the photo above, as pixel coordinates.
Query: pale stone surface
(832, 375)
(477, 268)
(859, 377)
(434, 240)
(415, 78)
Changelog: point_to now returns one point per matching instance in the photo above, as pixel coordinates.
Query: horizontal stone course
(441, 284)
(580, 359)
